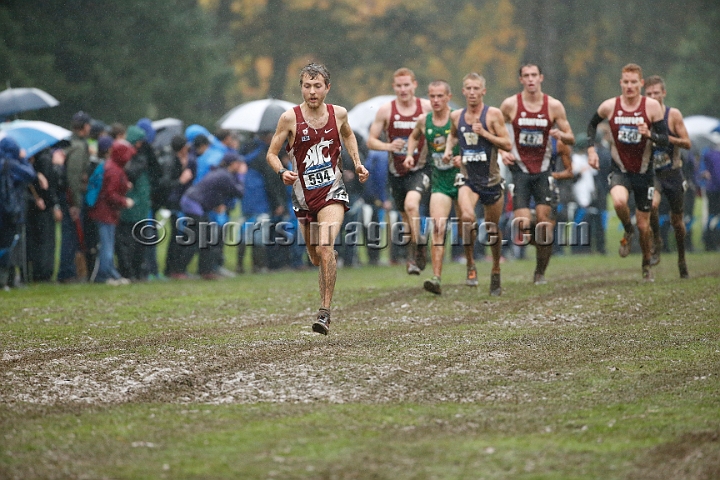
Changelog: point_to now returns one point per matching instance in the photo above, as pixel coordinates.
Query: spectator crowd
(108, 182)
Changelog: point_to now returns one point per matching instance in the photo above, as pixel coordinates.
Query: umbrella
(699, 128)
(165, 130)
(361, 116)
(33, 136)
(255, 116)
(16, 100)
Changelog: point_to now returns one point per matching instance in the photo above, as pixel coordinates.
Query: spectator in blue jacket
(15, 175)
(211, 193)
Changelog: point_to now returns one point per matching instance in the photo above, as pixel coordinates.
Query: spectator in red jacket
(106, 212)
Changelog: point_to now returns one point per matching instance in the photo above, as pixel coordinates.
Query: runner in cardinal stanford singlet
(531, 131)
(631, 152)
(401, 126)
(443, 174)
(315, 155)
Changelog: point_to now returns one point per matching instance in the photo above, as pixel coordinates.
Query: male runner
(669, 180)
(410, 185)
(313, 131)
(434, 128)
(636, 122)
(480, 131)
(535, 117)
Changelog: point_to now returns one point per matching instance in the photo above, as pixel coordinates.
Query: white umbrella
(33, 136)
(165, 130)
(255, 116)
(166, 122)
(361, 116)
(700, 130)
(16, 100)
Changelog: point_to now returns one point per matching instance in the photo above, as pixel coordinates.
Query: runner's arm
(351, 144)
(563, 132)
(564, 151)
(498, 134)
(682, 139)
(281, 135)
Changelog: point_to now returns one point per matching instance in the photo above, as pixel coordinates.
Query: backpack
(95, 185)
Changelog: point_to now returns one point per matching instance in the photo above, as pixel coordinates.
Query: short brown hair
(441, 83)
(633, 68)
(312, 70)
(655, 80)
(529, 64)
(403, 71)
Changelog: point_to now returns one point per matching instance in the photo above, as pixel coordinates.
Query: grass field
(595, 375)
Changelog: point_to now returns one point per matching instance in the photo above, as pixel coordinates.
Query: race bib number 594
(319, 178)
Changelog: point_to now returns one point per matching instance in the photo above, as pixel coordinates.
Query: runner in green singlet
(434, 127)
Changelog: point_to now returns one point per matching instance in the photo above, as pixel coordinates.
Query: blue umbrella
(33, 136)
(16, 100)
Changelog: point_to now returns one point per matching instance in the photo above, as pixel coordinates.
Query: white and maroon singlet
(531, 131)
(315, 155)
(401, 126)
(632, 152)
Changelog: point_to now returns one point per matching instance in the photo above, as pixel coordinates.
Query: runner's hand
(479, 129)
(409, 162)
(593, 159)
(397, 145)
(362, 173)
(507, 158)
(289, 177)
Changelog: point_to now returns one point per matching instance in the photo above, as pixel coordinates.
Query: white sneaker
(113, 282)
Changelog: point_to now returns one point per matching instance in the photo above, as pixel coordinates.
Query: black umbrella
(16, 100)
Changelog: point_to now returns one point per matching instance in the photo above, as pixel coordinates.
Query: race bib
(438, 162)
(321, 177)
(661, 159)
(531, 138)
(629, 135)
(403, 152)
(470, 156)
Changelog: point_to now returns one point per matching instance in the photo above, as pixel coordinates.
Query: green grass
(595, 375)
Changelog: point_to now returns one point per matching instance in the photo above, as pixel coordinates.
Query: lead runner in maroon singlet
(313, 131)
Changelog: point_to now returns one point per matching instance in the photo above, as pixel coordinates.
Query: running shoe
(647, 274)
(412, 268)
(625, 244)
(682, 266)
(322, 324)
(471, 279)
(433, 285)
(421, 255)
(495, 289)
(655, 254)
(539, 279)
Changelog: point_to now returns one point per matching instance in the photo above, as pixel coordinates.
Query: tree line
(195, 59)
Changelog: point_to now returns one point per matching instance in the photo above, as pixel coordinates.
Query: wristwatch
(281, 171)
